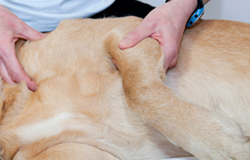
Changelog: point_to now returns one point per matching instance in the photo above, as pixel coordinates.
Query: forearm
(205, 1)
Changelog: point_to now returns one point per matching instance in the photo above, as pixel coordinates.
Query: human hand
(165, 24)
(12, 28)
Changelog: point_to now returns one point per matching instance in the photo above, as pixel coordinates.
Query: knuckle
(3, 77)
(172, 52)
(135, 34)
(38, 35)
(3, 53)
(6, 54)
(173, 62)
(173, 46)
(14, 75)
(8, 34)
(5, 45)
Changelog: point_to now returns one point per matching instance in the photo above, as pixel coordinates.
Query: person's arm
(205, 1)
(12, 28)
(166, 24)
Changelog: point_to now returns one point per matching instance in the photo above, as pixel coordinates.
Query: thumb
(31, 34)
(134, 37)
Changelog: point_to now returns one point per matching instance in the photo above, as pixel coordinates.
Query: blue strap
(196, 16)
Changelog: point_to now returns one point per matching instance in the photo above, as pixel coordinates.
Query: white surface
(238, 10)
(186, 158)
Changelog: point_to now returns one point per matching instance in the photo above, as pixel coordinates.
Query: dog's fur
(84, 108)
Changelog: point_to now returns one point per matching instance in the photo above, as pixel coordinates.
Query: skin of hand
(12, 28)
(165, 24)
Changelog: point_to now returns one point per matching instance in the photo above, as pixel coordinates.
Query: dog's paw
(220, 138)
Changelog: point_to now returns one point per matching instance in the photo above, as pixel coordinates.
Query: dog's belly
(218, 95)
(214, 73)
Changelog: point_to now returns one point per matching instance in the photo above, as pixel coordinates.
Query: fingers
(169, 46)
(12, 71)
(170, 51)
(134, 37)
(114, 62)
(12, 28)
(165, 24)
(4, 73)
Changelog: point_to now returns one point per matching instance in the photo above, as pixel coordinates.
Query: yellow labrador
(84, 108)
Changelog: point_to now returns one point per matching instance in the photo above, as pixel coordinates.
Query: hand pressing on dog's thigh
(202, 132)
(12, 28)
(165, 24)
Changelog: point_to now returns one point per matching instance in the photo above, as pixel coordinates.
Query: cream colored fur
(84, 108)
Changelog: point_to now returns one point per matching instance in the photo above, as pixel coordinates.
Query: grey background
(238, 10)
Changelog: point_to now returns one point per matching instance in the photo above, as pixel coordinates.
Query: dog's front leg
(205, 134)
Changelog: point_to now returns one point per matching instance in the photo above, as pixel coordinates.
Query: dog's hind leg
(203, 133)
(69, 151)
(67, 145)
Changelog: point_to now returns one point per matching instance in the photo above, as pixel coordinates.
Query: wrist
(191, 9)
(188, 7)
(185, 7)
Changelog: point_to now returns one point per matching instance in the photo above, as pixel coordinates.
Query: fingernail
(32, 86)
(125, 43)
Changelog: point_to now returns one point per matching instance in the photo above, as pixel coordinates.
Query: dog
(85, 108)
